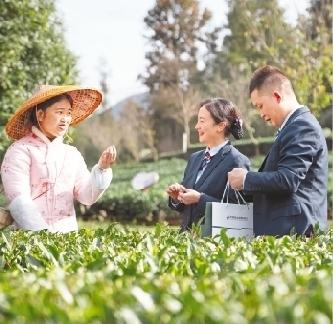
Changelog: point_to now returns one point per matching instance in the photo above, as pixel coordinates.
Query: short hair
(269, 75)
(224, 110)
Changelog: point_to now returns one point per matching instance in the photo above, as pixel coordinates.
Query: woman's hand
(189, 197)
(107, 157)
(174, 190)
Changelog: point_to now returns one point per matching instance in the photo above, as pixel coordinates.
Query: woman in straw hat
(41, 175)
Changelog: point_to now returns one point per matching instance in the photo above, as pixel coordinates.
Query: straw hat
(85, 101)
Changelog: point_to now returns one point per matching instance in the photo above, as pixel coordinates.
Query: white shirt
(286, 119)
(212, 151)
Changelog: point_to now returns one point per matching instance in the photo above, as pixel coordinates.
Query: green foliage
(257, 34)
(175, 29)
(32, 51)
(310, 64)
(126, 276)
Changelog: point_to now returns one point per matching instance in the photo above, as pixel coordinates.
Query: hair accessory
(237, 128)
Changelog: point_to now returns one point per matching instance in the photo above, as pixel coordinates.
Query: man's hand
(236, 178)
(189, 197)
(174, 190)
(107, 157)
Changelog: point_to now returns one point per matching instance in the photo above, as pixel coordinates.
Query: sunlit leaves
(164, 276)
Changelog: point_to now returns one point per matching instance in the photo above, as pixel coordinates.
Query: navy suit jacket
(211, 183)
(290, 190)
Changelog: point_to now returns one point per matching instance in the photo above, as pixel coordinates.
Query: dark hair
(31, 117)
(268, 74)
(224, 110)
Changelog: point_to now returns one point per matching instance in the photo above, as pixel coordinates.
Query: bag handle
(237, 194)
(225, 189)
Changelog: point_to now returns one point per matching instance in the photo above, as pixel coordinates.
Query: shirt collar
(287, 118)
(213, 150)
(44, 138)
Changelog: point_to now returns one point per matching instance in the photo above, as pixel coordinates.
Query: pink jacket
(42, 178)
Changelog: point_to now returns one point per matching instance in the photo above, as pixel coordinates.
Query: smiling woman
(41, 175)
(205, 176)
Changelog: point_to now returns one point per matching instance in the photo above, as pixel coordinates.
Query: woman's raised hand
(107, 157)
(174, 190)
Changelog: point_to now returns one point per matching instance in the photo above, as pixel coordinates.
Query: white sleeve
(15, 173)
(89, 186)
(26, 214)
(101, 179)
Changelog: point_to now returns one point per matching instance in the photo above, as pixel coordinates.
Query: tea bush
(119, 275)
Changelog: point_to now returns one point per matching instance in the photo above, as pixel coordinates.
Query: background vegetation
(32, 51)
(188, 61)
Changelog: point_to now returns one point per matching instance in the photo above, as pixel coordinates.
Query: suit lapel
(197, 164)
(216, 160)
(264, 162)
(296, 113)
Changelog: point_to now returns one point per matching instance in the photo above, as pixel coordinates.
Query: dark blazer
(290, 189)
(211, 183)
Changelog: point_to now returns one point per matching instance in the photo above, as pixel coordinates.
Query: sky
(108, 35)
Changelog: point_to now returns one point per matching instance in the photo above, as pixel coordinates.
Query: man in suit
(290, 188)
(206, 173)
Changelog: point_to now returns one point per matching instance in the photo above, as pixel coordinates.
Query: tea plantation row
(119, 275)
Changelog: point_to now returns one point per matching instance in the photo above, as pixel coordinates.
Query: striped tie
(205, 161)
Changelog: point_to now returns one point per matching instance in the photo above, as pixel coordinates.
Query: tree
(130, 131)
(180, 106)
(256, 34)
(310, 64)
(97, 133)
(32, 51)
(320, 20)
(136, 122)
(176, 28)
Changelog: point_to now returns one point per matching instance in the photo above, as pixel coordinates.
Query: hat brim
(85, 102)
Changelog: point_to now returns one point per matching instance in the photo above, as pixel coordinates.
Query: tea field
(123, 204)
(123, 275)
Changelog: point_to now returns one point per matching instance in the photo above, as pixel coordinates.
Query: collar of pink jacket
(42, 136)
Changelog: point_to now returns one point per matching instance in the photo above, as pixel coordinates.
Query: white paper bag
(236, 218)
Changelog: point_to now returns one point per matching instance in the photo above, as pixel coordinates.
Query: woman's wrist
(103, 169)
(200, 195)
